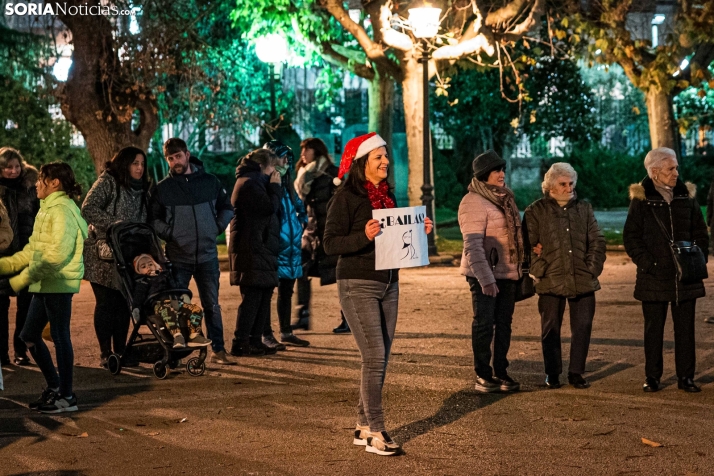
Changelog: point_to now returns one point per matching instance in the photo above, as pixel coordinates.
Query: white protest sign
(402, 242)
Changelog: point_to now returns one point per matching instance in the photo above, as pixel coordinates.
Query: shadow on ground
(455, 407)
(18, 421)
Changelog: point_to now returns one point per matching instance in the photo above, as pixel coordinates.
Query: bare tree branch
(499, 19)
(374, 51)
(392, 37)
(530, 23)
(329, 54)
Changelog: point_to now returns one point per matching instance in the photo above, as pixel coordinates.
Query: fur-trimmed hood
(645, 190)
(29, 175)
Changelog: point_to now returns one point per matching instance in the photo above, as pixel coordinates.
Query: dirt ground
(293, 413)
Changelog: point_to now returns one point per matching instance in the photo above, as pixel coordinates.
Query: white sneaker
(382, 444)
(361, 434)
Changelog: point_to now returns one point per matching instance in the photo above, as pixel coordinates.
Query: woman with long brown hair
(119, 194)
(315, 185)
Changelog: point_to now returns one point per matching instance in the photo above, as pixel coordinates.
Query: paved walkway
(293, 413)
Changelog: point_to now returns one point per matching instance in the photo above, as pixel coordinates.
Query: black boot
(246, 349)
(303, 319)
(343, 328)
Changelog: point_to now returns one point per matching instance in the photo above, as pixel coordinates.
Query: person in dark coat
(119, 194)
(315, 184)
(19, 194)
(369, 298)
(660, 201)
(567, 258)
(710, 224)
(292, 223)
(254, 246)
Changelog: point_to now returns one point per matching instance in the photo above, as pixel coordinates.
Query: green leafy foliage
(561, 103)
(604, 176)
(27, 125)
(694, 107)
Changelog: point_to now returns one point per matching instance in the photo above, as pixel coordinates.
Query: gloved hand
(5, 288)
(136, 315)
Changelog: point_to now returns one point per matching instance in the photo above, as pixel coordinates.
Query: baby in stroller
(177, 312)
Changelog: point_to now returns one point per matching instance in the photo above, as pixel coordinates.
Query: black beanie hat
(486, 162)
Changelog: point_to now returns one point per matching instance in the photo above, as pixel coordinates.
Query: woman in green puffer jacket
(51, 265)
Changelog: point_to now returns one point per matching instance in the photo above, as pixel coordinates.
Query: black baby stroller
(128, 240)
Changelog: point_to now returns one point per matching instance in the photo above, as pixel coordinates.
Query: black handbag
(525, 287)
(688, 257)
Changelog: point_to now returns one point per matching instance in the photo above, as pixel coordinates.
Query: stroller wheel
(114, 364)
(160, 370)
(194, 367)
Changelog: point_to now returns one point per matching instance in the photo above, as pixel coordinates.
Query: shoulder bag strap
(661, 225)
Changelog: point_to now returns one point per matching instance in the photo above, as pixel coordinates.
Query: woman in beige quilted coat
(492, 258)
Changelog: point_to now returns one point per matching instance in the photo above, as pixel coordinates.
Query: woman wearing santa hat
(369, 298)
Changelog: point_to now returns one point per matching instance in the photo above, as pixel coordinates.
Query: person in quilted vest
(660, 201)
(492, 262)
(51, 266)
(567, 258)
(119, 194)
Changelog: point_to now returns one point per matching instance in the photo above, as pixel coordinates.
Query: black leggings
(285, 304)
(111, 319)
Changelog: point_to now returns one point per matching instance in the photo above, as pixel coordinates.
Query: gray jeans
(370, 308)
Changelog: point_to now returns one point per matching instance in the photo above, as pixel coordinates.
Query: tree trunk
(664, 131)
(381, 106)
(97, 96)
(413, 95)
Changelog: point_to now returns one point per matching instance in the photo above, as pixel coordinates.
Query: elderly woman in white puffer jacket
(493, 253)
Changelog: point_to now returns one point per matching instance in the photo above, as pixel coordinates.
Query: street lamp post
(425, 24)
(272, 49)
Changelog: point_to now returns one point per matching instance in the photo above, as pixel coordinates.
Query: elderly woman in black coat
(254, 247)
(566, 261)
(663, 209)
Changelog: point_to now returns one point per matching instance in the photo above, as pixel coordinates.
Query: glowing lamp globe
(424, 21)
(271, 48)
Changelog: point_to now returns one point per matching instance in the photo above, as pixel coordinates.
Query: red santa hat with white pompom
(357, 147)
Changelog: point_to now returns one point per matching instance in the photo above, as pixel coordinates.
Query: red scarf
(379, 196)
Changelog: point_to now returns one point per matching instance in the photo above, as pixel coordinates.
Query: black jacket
(189, 211)
(146, 286)
(650, 250)
(321, 191)
(573, 247)
(20, 198)
(255, 229)
(347, 215)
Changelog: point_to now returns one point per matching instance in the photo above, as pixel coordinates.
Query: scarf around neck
(504, 199)
(379, 195)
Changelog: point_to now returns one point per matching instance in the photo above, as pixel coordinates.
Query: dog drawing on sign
(408, 246)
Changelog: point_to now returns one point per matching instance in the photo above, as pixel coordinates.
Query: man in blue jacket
(189, 209)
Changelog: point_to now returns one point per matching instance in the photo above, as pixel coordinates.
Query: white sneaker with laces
(380, 443)
(361, 434)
